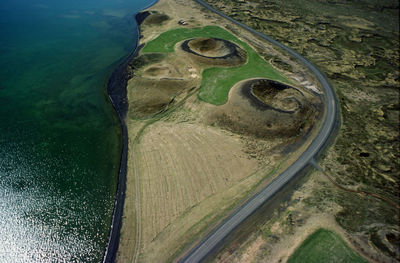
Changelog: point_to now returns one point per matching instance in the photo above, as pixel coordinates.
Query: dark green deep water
(59, 135)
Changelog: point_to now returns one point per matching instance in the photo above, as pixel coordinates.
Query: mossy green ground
(324, 246)
(216, 81)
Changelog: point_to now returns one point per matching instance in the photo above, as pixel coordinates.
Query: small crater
(211, 47)
(271, 95)
(215, 51)
(265, 108)
(156, 18)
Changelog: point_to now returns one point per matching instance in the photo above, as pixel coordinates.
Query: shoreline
(159, 228)
(117, 94)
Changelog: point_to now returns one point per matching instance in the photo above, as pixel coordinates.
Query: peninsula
(214, 115)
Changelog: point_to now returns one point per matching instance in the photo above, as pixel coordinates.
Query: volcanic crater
(215, 51)
(266, 108)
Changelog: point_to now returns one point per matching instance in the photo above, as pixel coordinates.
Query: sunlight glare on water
(59, 136)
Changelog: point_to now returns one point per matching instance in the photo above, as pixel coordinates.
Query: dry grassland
(280, 236)
(181, 165)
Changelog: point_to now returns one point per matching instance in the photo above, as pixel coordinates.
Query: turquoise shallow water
(59, 137)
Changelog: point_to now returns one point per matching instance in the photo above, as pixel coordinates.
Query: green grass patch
(325, 246)
(217, 81)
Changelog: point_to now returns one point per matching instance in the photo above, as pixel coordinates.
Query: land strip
(192, 160)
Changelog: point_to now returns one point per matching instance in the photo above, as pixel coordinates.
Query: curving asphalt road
(206, 246)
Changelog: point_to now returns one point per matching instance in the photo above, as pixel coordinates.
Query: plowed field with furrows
(182, 164)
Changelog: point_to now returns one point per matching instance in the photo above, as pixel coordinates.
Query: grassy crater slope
(324, 246)
(216, 81)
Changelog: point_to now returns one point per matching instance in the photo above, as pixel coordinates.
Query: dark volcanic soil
(267, 94)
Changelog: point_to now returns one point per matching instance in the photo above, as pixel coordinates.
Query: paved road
(199, 252)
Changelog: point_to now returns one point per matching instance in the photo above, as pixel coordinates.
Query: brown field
(181, 165)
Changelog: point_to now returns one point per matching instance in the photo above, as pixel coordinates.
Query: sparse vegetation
(356, 44)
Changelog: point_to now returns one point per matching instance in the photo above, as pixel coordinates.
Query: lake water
(60, 140)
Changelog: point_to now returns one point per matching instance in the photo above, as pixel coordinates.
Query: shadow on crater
(214, 51)
(265, 108)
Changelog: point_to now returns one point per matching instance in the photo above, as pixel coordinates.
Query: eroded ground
(209, 121)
